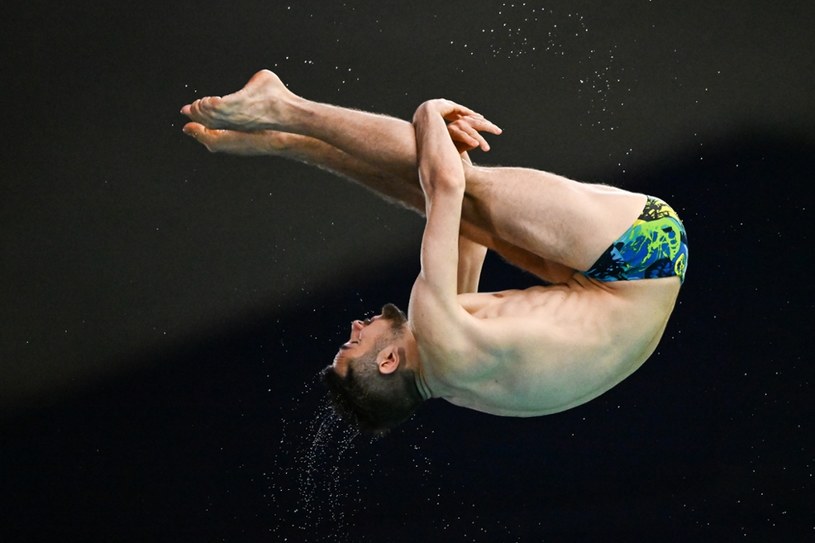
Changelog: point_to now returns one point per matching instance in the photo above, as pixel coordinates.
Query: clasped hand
(464, 124)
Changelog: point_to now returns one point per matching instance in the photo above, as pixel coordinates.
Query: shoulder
(449, 338)
(437, 319)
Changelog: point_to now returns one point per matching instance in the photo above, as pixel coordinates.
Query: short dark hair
(369, 400)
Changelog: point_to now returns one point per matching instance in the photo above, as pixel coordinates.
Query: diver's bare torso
(545, 349)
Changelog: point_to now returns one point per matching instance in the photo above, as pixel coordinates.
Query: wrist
(428, 109)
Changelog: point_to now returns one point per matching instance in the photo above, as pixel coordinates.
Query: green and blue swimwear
(656, 245)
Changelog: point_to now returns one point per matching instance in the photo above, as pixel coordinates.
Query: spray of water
(309, 490)
(324, 461)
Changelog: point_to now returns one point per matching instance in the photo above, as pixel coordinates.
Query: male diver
(611, 262)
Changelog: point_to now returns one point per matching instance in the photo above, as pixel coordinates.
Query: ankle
(297, 113)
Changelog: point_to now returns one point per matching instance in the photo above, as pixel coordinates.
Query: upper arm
(440, 244)
(434, 306)
(470, 261)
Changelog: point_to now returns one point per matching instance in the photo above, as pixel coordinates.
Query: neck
(421, 384)
(414, 362)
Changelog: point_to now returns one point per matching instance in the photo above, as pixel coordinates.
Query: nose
(357, 325)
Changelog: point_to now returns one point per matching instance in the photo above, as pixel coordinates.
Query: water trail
(323, 464)
(311, 489)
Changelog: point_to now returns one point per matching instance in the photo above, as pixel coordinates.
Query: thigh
(555, 218)
(547, 270)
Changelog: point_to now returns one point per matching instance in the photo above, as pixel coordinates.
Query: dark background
(164, 310)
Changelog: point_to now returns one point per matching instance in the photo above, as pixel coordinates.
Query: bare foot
(233, 142)
(262, 104)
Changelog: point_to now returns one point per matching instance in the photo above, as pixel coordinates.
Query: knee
(477, 178)
(472, 170)
(475, 208)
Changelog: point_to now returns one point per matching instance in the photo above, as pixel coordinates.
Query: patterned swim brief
(655, 246)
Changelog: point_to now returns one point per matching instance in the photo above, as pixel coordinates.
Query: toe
(203, 135)
(210, 102)
(199, 133)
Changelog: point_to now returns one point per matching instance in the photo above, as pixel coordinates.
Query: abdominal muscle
(550, 348)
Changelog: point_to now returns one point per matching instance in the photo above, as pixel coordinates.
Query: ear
(388, 360)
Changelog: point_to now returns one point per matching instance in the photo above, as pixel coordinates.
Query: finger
(467, 112)
(454, 111)
(474, 127)
(479, 139)
(472, 136)
(458, 133)
(483, 125)
(465, 139)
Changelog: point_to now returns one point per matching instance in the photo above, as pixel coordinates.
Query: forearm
(441, 175)
(440, 166)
